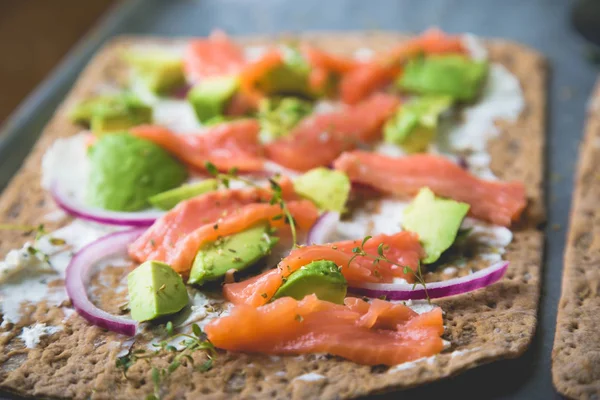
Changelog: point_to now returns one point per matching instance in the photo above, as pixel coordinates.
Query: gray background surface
(541, 24)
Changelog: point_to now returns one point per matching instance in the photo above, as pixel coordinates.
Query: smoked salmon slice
(227, 145)
(318, 140)
(256, 70)
(496, 202)
(362, 81)
(432, 41)
(216, 55)
(359, 82)
(403, 248)
(191, 214)
(324, 65)
(393, 335)
(181, 241)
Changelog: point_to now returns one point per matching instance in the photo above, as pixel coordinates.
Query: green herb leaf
(169, 328)
(206, 365)
(57, 242)
(173, 366)
(380, 249)
(124, 362)
(365, 240)
(197, 331)
(275, 186)
(211, 168)
(155, 376)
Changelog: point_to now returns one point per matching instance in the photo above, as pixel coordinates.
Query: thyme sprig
(39, 231)
(359, 251)
(192, 343)
(225, 179)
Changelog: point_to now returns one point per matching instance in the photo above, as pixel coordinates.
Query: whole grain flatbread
(483, 326)
(576, 352)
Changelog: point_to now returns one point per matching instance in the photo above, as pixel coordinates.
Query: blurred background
(34, 36)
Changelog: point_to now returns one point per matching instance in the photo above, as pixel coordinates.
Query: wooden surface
(34, 37)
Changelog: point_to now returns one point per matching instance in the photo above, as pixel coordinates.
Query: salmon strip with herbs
(370, 334)
(402, 248)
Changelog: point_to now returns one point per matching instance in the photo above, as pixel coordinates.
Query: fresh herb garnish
(40, 231)
(277, 198)
(191, 343)
(360, 252)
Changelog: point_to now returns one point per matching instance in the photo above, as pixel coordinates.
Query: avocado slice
(160, 71)
(414, 125)
(155, 289)
(238, 251)
(448, 75)
(106, 114)
(327, 188)
(290, 78)
(210, 97)
(170, 198)
(435, 220)
(126, 170)
(322, 278)
(277, 116)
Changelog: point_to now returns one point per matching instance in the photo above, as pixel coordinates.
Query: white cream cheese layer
(66, 162)
(501, 99)
(30, 285)
(32, 335)
(382, 216)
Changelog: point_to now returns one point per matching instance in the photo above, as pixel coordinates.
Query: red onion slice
(324, 228)
(78, 275)
(73, 207)
(451, 287)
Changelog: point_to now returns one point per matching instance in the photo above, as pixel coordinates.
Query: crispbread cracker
(483, 326)
(576, 352)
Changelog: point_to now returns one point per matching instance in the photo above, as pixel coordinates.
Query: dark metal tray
(542, 24)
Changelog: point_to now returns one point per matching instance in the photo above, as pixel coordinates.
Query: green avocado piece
(327, 188)
(435, 220)
(277, 116)
(288, 79)
(414, 125)
(160, 71)
(126, 170)
(219, 119)
(450, 75)
(155, 289)
(322, 278)
(238, 251)
(170, 198)
(113, 113)
(210, 97)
